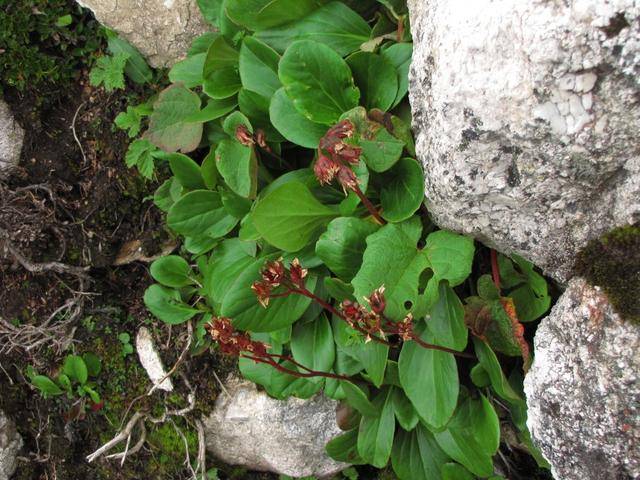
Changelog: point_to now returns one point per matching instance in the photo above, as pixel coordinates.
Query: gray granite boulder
(526, 116)
(10, 445)
(11, 138)
(162, 30)
(583, 390)
(288, 437)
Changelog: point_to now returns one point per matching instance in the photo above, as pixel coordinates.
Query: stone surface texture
(249, 428)
(583, 389)
(151, 361)
(526, 116)
(10, 445)
(11, 138)
(162, 30)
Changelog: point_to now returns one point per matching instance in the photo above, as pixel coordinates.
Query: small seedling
(125, 340)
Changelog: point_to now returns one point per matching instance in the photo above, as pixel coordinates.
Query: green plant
(125, 341)
(44, 42)
(306, 253)
(73, 379)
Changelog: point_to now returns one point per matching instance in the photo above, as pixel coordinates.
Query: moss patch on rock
(612, 262)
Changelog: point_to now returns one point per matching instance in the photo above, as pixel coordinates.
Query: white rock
(151, 361)
(504, 128)
(288, 437)
(162, 30)
(11, 138)
(10, 445)
(583, 390)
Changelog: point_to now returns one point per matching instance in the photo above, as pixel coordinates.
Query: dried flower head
(377, 301)
(244, 136)
(273, 273)
(297, 273)
(262, 291)
(404, 328)
(325, 169)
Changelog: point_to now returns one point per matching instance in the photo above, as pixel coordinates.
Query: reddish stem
(310, 374)
(367, 203)
(495, 270)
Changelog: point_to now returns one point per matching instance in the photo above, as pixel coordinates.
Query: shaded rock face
(527, 116)
(583, 390)
(288, 437)
(162, 30)
(11, 138)
(10, 445)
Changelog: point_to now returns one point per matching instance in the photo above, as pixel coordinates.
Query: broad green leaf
(228, 261)
(334, 25)
(392, 259)
(284, 385)
(93, 363)
(416, 455)
(263, 14)
(136, 67)
(240, 303)
(75, 368)
(450, 255)
(202, 43)
(166, 304)
(259, 67)
(290, 217)
(490, 363)
(220, 71)
(162, 196)
(210, 10)
(215, 108)
(318, 81)
(185, 170)
(168, 128)
(342, 246)
(376, 78)
(172, 271)
(430, 380)
(380, 149)
(189, 71)
(234, 204)
(312, 345)
(46, 385)
(294, 126)
(209, 170)
(200, 213)
(256, 109)
(479, 376)
(473, 436)
(199, 245)
(238, 166)
(358, 399)
(399, 55)
(528, 288)
(338, 289)
(375, 437)
(455, 471)
(403, 190)
(344, 448)
(447, 320)
(232, 122)
(405, 413)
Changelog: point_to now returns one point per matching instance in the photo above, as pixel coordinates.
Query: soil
(80, 207)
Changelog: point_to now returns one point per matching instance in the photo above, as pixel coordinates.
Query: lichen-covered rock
(583, 390)
(527, 116)
(162, 30)
(10, 445)
(11, 138)
(288, 437)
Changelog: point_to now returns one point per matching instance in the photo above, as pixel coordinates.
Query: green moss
(612, 262)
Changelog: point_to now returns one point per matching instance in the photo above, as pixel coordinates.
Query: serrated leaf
(140, 154)
(109, 72)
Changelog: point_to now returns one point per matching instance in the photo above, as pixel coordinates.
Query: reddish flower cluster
(405, 327)
(359, 318)
(246, 138)
(275, 274)
(335, 157)
(232, 342)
